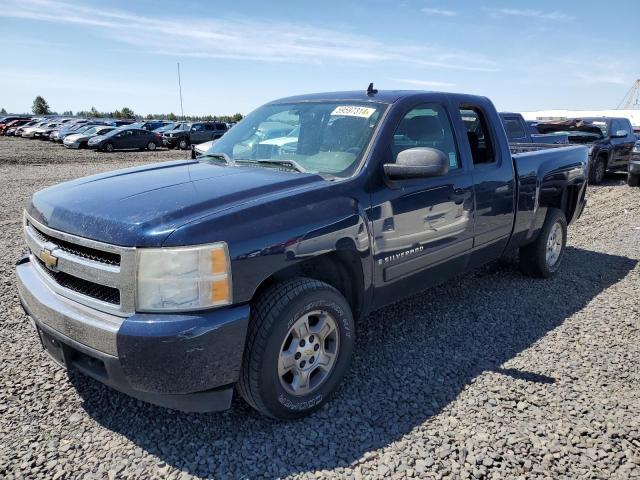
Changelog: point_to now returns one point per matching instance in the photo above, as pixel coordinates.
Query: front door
(622, 146)
(422, 228)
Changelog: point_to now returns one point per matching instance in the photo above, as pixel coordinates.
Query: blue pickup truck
(245, 268)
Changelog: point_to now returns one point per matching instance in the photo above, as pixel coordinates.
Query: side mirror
(620, 134)
(419, 162)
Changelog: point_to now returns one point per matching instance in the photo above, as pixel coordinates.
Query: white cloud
(423, 83)
(529, 13)
(440, 11)
(254, 40)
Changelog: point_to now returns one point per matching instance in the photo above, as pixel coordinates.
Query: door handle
(459, 195)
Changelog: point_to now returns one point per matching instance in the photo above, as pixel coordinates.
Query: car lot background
(491, 375)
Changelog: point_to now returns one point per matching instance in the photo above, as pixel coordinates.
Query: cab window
(426, 126)
(480, 141)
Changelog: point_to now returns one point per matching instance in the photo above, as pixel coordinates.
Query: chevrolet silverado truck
(610, 141)
(177, 282)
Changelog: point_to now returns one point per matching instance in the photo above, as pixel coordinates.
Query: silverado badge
(49, 259)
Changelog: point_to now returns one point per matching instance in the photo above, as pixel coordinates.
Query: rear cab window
(514, 129)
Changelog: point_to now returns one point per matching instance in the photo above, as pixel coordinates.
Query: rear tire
(633, 180)
(299, 344)
(151, 146)
(543, 257)
(596, 175)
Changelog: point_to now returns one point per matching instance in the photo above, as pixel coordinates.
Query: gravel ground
(492, 375)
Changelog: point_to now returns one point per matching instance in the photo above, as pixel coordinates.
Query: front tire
(299, 344)
(633, 180)
(108, 148)
(596, 176)
(183, 144)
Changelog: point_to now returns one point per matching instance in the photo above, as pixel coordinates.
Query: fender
(267, 238)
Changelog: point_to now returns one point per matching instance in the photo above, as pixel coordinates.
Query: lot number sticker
(353, 111)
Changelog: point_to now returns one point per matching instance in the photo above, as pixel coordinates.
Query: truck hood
(142, 206)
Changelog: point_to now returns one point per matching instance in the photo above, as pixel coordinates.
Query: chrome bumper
(90, 327)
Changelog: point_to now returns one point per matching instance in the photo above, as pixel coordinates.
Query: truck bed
(540, 171)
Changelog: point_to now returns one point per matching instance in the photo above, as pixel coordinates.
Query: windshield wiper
(290, 164)
(228, 160)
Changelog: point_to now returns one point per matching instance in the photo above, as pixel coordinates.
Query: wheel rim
(308, 353)
(183, 144)
(109, 147)
(554, 245)
(151, 146)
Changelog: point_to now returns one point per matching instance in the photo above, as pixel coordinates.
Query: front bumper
(170, 142)
(185, 361)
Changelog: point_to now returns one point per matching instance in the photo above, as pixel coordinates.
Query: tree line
(41, 107)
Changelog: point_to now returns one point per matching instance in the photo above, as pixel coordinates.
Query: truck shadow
(412, 359)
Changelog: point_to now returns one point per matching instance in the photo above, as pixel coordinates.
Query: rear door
(493, 177)
(422, 228)
(143, 137)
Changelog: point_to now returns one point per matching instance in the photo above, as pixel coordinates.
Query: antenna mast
(631, 100)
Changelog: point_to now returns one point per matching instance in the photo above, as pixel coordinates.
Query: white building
(632, 115)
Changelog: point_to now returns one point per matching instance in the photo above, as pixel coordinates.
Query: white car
(81, 140)
(30, 131)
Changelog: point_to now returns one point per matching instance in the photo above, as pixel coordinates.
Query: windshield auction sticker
(353, 111)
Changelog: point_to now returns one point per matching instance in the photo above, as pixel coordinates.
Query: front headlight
(183, 278)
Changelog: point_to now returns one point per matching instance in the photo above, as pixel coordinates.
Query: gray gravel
(492, 375)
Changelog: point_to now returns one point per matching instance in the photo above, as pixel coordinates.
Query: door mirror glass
(419, 162)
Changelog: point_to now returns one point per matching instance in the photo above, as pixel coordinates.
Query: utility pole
(180, 89)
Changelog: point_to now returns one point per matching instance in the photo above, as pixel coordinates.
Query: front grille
(108, 258)
(84, 287)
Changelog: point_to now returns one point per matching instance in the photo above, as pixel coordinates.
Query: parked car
(44, 132)
(80, 128)
(174, 281)
(5, 120)
(18, 131)
(125, 138)
(38, 130)
(57, 135)
(518, 131)
(12, 125)
(81, 139)
(194, 133)
(633, 178)
(610, 141)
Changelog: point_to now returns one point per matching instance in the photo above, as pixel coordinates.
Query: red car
(12, 122)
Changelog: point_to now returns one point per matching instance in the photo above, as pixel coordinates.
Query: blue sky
(237, 55)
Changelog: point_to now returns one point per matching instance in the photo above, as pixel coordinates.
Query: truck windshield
(319, 137)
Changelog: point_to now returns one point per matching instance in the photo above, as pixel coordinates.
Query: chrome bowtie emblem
(49, 259)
